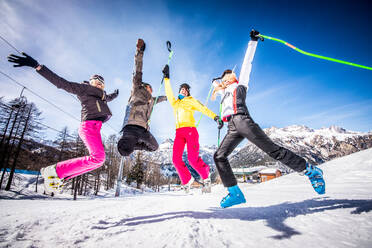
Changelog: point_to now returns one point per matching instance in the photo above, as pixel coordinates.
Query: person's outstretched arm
(198, 106)
(138, 62)
(245, 72)
(112, 96)
(161, 99)
(61, 83)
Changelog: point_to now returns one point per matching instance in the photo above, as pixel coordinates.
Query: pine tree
(137, 172)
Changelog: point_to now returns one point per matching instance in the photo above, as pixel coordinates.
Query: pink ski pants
(189, 136)
(89, 132)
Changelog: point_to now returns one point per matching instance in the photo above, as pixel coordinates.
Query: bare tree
(17, 104)
(24, 125)
(65, 144)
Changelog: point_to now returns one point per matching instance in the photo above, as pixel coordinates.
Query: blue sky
(79, 38)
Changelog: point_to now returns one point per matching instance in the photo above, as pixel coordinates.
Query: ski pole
(206, 102)
(169, 46)
(219, 130)
(312, 54)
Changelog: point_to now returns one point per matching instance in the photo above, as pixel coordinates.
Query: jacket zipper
(98, 107)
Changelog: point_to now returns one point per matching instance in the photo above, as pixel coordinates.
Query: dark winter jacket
(93, 100)
(141, 102)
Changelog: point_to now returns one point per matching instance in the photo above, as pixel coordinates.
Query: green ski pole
(169, 46)
(314, 55)
(206, 102)
(219, 130)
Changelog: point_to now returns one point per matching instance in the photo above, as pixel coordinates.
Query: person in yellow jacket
(186, 132)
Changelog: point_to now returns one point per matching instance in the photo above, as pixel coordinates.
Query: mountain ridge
(315, 145)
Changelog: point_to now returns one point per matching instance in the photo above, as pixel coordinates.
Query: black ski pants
(136, 138)
(242, 126)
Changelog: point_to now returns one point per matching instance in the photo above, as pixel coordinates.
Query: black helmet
(186, 86)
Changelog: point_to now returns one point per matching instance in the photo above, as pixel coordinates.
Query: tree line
(23, 147)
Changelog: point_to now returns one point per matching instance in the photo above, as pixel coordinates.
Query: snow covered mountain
(163, 157)
(164, 154)
(316, 145)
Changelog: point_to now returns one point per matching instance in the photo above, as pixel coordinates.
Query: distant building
(269, 173)
(248, 174)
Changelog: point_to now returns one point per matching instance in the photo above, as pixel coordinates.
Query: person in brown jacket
(136, 134)
(94, 113)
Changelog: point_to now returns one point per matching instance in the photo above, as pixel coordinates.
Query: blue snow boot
(316, 178)
(234, 197)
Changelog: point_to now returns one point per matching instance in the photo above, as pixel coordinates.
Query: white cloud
(79, 38)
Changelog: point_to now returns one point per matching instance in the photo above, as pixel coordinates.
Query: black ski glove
(219, 122)
(22, 61)
(166, 71)
(116, 92)
(141, 45)
(254, 34)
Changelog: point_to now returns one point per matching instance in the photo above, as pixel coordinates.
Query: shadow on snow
(274, 215)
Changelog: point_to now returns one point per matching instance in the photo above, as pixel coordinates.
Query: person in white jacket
(241, 125)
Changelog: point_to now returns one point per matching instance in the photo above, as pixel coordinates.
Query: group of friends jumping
(135, 130)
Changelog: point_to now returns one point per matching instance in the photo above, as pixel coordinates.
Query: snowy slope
(284, 212)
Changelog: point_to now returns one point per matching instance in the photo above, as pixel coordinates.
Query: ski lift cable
(38, 122)
(46, 100)
(51, 128)
(312, 54)
(34, 93)
(10, 44)
(7, 42)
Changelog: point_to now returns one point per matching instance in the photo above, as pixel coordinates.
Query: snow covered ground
(284, 212)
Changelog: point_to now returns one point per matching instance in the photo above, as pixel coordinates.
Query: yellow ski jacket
(184, 109)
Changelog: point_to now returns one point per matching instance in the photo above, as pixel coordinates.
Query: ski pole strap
(206, 102)
(314, 55)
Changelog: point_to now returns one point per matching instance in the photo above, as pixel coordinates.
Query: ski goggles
(99, 78)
